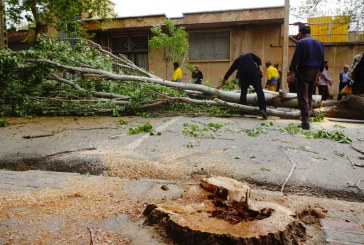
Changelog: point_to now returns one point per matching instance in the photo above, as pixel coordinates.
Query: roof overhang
(258, 16)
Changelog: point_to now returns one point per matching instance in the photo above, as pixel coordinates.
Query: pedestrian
(197, 75)
(324, 82)
(356, 74)
(344, 80)
(249, 72)
(272, 76)
(280, 76)
(177, 74)
(307, 62)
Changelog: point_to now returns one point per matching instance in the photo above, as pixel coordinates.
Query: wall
(256, 30)
(255, 39)
(338, 56)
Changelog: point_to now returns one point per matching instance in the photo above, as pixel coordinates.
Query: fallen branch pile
(84, 79)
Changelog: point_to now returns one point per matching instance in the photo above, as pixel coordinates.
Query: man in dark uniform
(307, 62)
(249, 72)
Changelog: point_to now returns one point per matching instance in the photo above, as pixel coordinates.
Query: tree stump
(200, 217)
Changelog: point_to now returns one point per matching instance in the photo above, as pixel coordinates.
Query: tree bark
(272, 98)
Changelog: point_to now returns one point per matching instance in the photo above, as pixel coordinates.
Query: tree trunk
(288, 100)
(200, 217)
(350, 108)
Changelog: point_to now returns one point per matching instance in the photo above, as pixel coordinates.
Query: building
(216, 39)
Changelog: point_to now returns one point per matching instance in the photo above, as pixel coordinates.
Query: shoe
(305, 125)
(264, 114)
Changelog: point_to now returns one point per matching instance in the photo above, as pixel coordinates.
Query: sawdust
(84, 203)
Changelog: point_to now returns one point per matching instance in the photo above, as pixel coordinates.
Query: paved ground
(273, 160)
(320, 165)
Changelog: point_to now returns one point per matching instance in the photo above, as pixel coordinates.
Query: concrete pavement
(273, 158)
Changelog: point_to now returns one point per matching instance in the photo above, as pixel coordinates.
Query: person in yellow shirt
(177, 75)
(272, 76)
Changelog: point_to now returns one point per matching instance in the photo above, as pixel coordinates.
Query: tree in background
(60, 14)
(310, 8)
(174, 40)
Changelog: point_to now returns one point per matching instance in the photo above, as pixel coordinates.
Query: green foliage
(122, 122)
(292, 128)
(60, 14)
(221, 112)
(335, 135)
(263, 128)
(319, 134)
(232, 84)
(146, 128)
(190, 68)
(4, 122)
(174, 40)
(318, 118)
(214, 126)
(196, 131)
(22, 83)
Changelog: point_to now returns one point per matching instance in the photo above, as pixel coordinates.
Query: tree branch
(94, 93)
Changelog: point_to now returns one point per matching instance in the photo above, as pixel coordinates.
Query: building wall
(259, 31)
(255, 39)
(338, 56)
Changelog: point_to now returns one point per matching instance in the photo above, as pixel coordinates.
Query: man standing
(249, 72)
(307, 62)
(344, 80)
(324, 82)
(197, 75)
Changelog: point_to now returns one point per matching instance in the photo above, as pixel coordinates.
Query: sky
(174, 8)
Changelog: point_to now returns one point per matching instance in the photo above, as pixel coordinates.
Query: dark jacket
(309, 53)
(197, 77)
(245, 64)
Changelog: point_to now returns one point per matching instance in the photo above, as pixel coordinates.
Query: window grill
(130, 44)
(209, 45)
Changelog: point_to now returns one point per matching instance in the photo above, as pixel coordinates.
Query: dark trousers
(306, 78)
(256, 82)
(324, 91)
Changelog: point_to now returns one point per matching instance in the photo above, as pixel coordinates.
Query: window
(130, 44)
(209, 45)
(133, 47)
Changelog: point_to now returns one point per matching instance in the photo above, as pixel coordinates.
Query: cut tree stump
(200, 217)
(229, 189)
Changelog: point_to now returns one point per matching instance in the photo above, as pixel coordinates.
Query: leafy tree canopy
(174, 40)
(314, 8)
(61, 14)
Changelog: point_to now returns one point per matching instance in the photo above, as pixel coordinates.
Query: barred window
(209, 45)
(130, 44)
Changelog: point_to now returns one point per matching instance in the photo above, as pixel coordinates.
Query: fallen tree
(57, 78)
